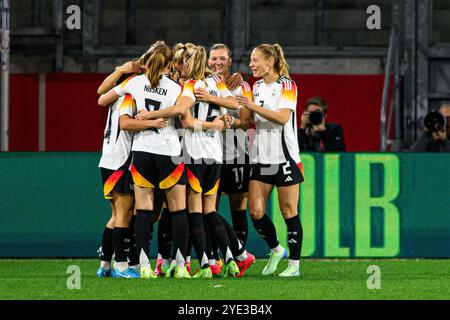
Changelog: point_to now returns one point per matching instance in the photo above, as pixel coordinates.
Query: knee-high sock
(295, 237)
(235, 244)
(180, 234)
(107, 249)
(165, 234)
(144, 230)
(240, 225)
(267, 231)
(198, 237)
(121, 239)
(219, 233)
(133, 255)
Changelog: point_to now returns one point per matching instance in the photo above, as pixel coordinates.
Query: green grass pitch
(320, 279)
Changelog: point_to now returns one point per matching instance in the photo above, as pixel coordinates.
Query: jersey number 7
(155, 106)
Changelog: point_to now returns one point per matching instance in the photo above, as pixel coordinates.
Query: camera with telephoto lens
(316, 117)
(434, 122)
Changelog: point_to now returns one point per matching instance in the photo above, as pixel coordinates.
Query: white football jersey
(275, 143)
(158, 141)
(116, 143)
(207, 144)
(235, 142)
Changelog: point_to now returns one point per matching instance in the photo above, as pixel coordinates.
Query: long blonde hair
(280, 65)
(155, 60)
(195, 58)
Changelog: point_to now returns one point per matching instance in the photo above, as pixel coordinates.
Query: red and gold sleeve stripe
(139, 180)
(188, 86)
(126, 80)
(289, 90)
(221, 86)
(127, 102)
(246, 90)
(173, 178)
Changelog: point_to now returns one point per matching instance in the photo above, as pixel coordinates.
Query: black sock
(215, 249)
(189, 246)
(235, 245)
(143, 230)
(240, 225)
(165, 234)
(295, 237)
(198, 237)
(209, 252)
(133, 255)
(267, 231)
(107, 249)
(121, 238)
(219, 234)
(180, 232)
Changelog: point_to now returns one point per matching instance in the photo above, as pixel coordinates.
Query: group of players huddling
(181, 131)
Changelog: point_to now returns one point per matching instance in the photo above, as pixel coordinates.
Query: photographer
(436, 131)
(314, 133)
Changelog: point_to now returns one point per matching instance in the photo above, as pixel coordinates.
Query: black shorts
(204, 177)
(234, 178)
(151, 170)
(117, 180)
(279, 175)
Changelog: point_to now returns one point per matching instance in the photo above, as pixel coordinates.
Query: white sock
(146, 265)
(122, 266)
(294, 263)
(212, 262)
(188, 259)
(105, 265)
(277, 249)
(179, 259)
(242, 256)
(166, 262)
(159, 256)
(228, 255)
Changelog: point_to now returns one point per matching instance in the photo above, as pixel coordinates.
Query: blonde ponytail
(155, 60)
(275, 51)
(196, 63)
(281, 66)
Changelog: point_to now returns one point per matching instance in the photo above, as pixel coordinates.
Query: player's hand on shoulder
(129, 67)
(233, 81)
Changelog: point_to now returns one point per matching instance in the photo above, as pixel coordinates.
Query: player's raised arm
(110, 81)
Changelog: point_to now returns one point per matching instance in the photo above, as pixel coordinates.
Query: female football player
(203, 151)
(275, 155)
(236, 167)
(156, 157)
(118, 236)
(164, 258)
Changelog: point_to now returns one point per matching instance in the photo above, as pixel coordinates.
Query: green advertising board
(352, 205)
